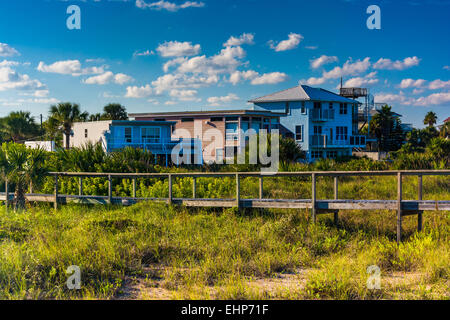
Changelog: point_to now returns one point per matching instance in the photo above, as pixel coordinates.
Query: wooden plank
(419, 196)
(110, 201)
(336, 196)
(194, 187)
(80, 186)
(399, 207)
(170, 190)
(261, 188)
(313, 197)
(56, 193)
(7, 195)
(134, 187)
(238, 191)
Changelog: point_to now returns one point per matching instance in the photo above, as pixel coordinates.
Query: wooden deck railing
(403, 207)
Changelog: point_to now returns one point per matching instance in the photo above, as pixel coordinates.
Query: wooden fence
(317, 206)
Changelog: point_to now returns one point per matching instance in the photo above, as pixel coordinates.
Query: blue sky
(209, 54)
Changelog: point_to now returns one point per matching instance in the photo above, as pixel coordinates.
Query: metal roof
(303, 93)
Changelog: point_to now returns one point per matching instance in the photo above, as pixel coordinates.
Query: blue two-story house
(324, 124)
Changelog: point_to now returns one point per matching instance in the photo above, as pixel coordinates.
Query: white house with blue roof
(323, 123)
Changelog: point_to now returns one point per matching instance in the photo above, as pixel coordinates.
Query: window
(341, 133)
(287, 109)
(256, 124)
(216, 119)
(299, 133)
(231, 131)
(316, 154)
(303, 108)
(330, 106)
(128, 135)
(187, 119)
(332, 154)
(151, 135)
(230, 152)
(317, 130)
(160, 119)
(85, 133)
(219, 155)
(343, 108)
(317, 105)
(232, 118)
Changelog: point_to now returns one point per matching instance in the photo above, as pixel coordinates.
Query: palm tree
(430, 119)
(386, 126)
(65, 114)
(115, 111)
(19, 126)
(444, 132)
(95, 117)
(22, 166)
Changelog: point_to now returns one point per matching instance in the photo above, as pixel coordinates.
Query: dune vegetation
(155, 251)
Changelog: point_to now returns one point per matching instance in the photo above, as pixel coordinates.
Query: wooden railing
(317, 206)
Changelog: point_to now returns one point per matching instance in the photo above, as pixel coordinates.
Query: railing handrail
(256, 174)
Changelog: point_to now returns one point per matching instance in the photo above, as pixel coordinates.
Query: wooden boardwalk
(317, 206)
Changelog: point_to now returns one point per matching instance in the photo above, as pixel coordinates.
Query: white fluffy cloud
(216, 101)
(169, 6)
(423, 84)
(139, 92)
(368, 80)
(108, 77)
(225, 62)
(270, 78)
(349, 68)
(7, 51)
(388, 64)
(12, 80)
(72, 67)
(439, 84)
(256, 78)
(182, 81)
(411, 83)
(184, 95)
(434, 99)
(245, 38)
(178, 49)
(292, 42)
(322, 60)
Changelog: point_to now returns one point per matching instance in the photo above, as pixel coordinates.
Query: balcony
(324, 141)
(154, 146)
(322, 115)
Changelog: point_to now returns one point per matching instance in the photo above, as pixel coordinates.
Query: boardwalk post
(336, 196)
(194, 187)
(313, 197)
(80, 186)
(7, 195)
(261, 188)
(399, 207)
(109, 189)
(419, 214)
(31, 186)
(134, 187)
(56, 193)
(238, 191)
(170, 189)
